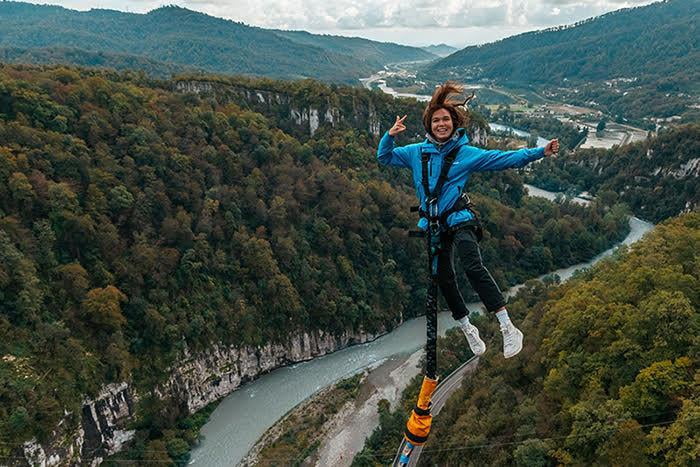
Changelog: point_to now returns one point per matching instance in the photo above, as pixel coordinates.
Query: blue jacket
(468, 160)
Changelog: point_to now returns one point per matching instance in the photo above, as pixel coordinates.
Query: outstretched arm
(387, 152)
(495, 159)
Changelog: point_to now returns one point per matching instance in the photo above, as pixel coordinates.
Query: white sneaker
(512, 340)
(475, 343)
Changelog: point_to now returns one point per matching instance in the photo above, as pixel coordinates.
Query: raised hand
(398, 126)
(552, 148)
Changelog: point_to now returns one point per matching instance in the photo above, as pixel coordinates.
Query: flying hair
(444, 98)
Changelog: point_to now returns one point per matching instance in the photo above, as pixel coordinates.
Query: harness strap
(462, 203)
(446, 165)
(433, 196)
(425, 158)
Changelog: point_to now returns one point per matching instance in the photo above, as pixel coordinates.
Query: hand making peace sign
(398, 126)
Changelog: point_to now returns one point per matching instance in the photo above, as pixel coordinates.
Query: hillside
(185, 39)
(620, 44)
(657, 178)
(371, 52)
(441, 50)
(140, 225)
(82, 57)
(633, 63)
(609, 373)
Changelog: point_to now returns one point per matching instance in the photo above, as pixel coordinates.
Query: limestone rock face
(87, 438)
(479, 137)
(104, 419)
(200, 379)
(273, 104)
(195, 381)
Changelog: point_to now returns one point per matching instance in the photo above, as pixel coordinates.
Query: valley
(583, 118)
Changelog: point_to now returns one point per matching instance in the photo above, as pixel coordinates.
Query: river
(243, 416)
(521, 133)
(380, 80)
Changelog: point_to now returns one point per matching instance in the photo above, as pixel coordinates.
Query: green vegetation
(80, 57)
(610, 371)
(171, 39)
(137, 222)
(300, 430)
(656, 177)
(163, 441)
(632, 63)
(380, 447)
(376, 54)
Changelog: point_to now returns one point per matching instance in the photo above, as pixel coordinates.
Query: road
(442, 393)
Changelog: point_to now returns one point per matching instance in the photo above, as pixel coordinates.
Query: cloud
(362, 14)
(457, 22)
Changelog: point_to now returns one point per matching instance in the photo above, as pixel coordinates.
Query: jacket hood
(458, 138)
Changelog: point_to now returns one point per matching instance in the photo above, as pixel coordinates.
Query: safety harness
(438, 222)
(420, 421)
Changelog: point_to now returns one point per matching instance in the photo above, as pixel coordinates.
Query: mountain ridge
(565, 52)
(189, 39)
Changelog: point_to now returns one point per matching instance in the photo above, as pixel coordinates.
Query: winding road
(444, 390)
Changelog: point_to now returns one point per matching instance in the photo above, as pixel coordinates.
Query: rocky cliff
(289, 108)
(196, 380)
(87, 438)
(305, 112)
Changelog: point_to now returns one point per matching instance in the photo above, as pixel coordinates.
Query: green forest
(137, 222)
(609, 374)
(656, 178)
(174, 39)
(631, 63)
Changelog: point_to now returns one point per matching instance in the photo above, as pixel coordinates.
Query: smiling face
(441, 125)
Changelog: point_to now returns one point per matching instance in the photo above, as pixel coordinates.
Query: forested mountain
(609, 373)
(138, 223)
(174, 37)
(657, 178)
(654, 41)
(376, 54)
(82, 57)
(441, 50)
(636, 62)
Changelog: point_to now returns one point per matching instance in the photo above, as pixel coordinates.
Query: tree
(679, 443)
(74, 280)
(102, 308)
(600, 128)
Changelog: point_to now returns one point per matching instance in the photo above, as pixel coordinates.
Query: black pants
(465, 242)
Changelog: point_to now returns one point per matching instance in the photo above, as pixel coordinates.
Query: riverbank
(239, 421)
(344, 428)
(344, 434)
(351, 429)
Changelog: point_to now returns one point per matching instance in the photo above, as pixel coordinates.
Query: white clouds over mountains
(414, 22)
(373, 14)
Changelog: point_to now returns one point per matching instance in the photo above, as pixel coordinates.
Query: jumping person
(446, 140)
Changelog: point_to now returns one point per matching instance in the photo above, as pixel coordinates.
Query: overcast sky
(413, 22)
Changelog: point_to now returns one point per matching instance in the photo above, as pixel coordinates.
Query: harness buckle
(465, 197)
